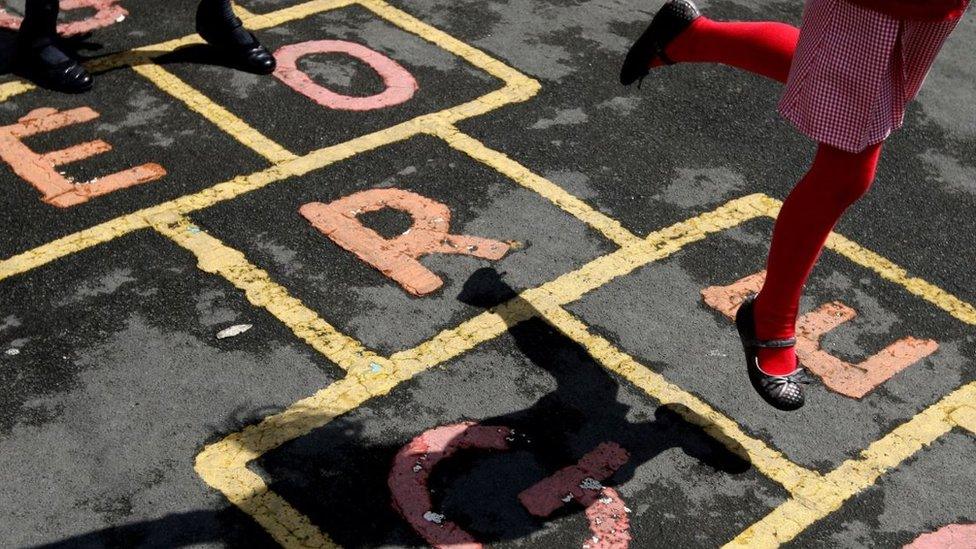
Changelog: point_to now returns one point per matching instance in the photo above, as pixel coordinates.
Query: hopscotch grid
(224, 464)
(814, 496)
(517, 87)
(817, 500)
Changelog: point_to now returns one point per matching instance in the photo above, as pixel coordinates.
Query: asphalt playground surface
(584, 390)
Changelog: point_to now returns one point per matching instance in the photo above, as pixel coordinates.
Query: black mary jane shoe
(670, 21)
(50, 68)
(241, 47)
(781, 392)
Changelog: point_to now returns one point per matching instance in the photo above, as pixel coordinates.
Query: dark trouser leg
(218, 25)
(218, 11)
(38, 56)
(40, 25)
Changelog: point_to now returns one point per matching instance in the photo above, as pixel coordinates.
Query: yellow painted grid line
(965, 417)
(14, 88)
(573, 285)
(221, 117)
(889, 271)
(141, 54)
(220, 192)
(518, 87)
(240, 11)
(609, 227)
(215, 257)
(262, 21)
(70, 244)
(224, 464)
(816, 500)
(656, 246)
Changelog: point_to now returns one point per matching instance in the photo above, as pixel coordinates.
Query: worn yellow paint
(75, 242)
(14, 88)
(573, 285)
(965, 417)
(656, 246)
(293, 13)
(240, 11)
(213, 256)
(816, 499)
(220, 192)
(221, 117)
(610, 228)
(131, 57)
(223, 465)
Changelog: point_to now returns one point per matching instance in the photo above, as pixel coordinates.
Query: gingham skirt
(855, 71)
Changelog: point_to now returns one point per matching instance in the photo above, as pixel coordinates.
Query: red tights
(836, 179)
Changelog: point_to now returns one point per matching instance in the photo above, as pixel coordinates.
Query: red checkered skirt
(855, 70)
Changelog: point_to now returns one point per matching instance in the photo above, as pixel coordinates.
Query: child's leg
(765, 48)
(40, 23)
(38, 56)
(836, 180)
(218, 25)
(219, 10)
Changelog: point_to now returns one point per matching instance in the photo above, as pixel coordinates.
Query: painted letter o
(400, 84)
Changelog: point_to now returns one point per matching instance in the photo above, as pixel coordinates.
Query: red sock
(836, 180)
(765, 48)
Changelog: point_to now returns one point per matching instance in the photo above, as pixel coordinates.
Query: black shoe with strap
(226, 32)
(670, 21)
(781, 392)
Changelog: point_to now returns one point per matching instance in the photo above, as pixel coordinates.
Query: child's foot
(670, 21)
(49, 67)
(227, 34)
(780, 391)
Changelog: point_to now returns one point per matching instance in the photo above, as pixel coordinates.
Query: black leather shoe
(781, 392)
(236, 43)
(670, 21)
(50, 68)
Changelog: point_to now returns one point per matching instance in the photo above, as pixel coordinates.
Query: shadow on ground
(80, 46)
(582, 412)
